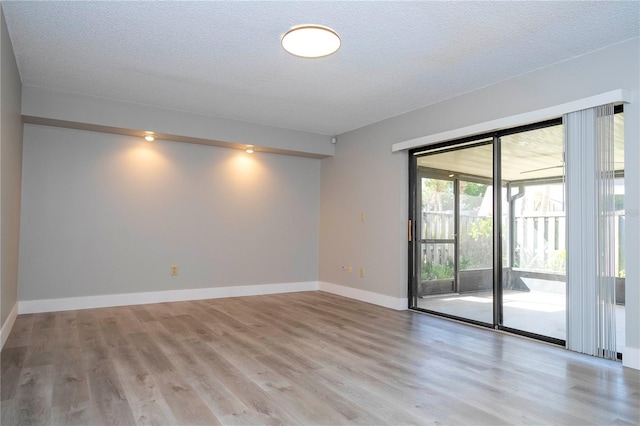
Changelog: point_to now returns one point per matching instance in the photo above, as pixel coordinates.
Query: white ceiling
(224, 58)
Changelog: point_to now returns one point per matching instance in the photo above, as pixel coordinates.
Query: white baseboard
(8, 325)
(631, 358)
(109, 300)
(397, 303)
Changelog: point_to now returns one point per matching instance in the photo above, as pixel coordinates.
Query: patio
(542, 310)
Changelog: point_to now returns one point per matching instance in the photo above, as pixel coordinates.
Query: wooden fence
(539, 240)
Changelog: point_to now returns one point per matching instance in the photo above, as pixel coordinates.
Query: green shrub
(431, 271)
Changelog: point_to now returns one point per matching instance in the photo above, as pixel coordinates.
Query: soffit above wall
(61, 109)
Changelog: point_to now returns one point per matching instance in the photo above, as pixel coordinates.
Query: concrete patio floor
(539, 312)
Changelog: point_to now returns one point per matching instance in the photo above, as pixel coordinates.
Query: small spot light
(249, 149)
(149, 137)
(451, 174)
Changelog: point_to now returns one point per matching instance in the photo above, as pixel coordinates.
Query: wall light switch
(174, 270)
(362, 217)
(361, 271)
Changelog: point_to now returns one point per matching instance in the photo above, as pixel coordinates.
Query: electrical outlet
(362, 272)
(174, 270)
(362, 217)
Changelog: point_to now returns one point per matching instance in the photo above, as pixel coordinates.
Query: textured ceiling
(224, 58)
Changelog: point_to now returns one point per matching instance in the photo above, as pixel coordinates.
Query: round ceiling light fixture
(311, 41)
(149, 136)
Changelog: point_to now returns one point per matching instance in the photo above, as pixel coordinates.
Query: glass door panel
(618, 238)
(533, 229)
(475, 242)
(437, 271)
(437, 233)
(455, 248)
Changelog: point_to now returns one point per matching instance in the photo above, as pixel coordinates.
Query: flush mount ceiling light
(149, 137)
(249, 149)
(311, 41)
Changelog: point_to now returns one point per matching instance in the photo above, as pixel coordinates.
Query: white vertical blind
(590, 178)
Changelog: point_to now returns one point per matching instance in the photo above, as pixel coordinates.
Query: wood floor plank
(140, 387)
(32, 403)
(7, 413)
(200, 329)
(87, 325)
(126, 320)
(251, 367)
(109, 404)
(78, 415)
(161, 310)
(111, 332)
(11, 362)
(204, 382)
(21, 331)
(66, 320)
(304, 404)
(42, 347)
(95, 353)
(241, 338)
(45, 320)
(70, 387)
(142, 313)
(177, 327)
(372, 401)
(350, 411)
(155, 360)
(414, 400)
(296, 358)
(252, 395)
(187, 407)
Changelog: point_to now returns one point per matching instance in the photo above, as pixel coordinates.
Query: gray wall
(10, 170)
(109, 214)
(365, 176)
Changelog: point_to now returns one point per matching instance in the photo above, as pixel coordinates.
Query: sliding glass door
(494, 258)
(499, 258)
(533, 230)
(453, 251)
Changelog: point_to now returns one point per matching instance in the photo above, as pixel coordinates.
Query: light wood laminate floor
(298, 358)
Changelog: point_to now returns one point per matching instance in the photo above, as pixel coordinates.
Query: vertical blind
(590, 175)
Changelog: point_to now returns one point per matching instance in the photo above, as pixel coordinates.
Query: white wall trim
(8, 325)
(631, 358)
(614, 96)
(397, 303)
(126, 299)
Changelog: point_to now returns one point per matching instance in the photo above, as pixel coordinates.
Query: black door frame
(413, 245)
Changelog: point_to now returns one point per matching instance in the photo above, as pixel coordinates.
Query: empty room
(320, 213)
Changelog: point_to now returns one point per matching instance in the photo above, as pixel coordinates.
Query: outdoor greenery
(475, 228)
(435, 271)
(476, 245)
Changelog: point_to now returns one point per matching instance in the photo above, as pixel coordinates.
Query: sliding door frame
(462, 143)
(497, 233)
